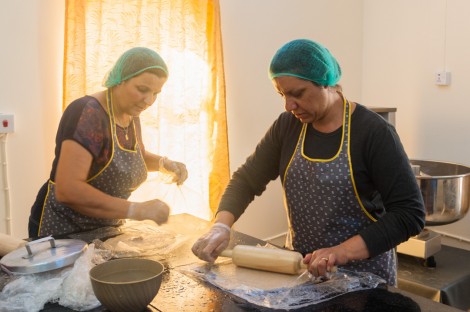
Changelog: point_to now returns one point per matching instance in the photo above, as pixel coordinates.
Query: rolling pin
(266, 259)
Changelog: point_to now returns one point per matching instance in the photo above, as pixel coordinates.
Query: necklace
(126, 129)
(120, 123)
(125, 132)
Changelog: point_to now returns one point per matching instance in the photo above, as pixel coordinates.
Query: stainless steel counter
(448, 282)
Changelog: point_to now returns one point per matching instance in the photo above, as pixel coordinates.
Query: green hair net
(132, 63)
(308, 60)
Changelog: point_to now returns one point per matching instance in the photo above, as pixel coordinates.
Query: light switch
(443, 78)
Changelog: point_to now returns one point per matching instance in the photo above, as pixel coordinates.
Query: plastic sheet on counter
(141, 239)
(280, 291)
(102, 234)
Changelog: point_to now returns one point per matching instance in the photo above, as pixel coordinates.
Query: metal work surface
(180, 292)
(448, 282)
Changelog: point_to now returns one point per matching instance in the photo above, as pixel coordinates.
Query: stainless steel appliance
(445, 188)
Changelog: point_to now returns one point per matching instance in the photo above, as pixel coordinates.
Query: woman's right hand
(155, 210)
(175, 170)
(210, 245)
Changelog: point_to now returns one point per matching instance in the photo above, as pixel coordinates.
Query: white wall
(32, 35)
(405, 44)
(389, 52)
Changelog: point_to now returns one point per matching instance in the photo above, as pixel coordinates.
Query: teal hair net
(308, 60)
(132, 63)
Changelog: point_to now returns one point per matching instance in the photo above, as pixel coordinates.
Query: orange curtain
(188, 121)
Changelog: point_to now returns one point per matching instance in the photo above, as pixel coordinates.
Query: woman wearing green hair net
(350, 194)
(100, 158)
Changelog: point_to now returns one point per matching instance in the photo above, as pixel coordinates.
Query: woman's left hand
(324, 260)
(176, 169)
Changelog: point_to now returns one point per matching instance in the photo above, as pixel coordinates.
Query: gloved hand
(210, 245)
(173, 169)
(154, 209)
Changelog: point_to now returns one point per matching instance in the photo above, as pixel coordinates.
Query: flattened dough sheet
(236, 276)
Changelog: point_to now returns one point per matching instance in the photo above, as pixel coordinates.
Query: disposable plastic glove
(155, 210)
(174, 170)
(210, 245)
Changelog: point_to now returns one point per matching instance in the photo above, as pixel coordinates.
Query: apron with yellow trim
(323, 208)
(124, 172)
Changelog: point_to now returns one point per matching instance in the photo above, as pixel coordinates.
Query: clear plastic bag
(180, 198)
(141, 239)
(69, 286)
(296, 291)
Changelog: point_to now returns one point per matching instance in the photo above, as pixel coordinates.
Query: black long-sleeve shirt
(381, 169)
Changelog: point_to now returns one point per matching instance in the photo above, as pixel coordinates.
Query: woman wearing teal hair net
(100, 157)
(350, 194)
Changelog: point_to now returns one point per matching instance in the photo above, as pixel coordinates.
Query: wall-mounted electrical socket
(7, 123)
(443, 78)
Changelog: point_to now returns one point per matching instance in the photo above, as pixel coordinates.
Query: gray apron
(123, 173)
(323, 207)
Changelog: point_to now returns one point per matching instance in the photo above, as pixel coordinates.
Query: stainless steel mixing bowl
(445, 188)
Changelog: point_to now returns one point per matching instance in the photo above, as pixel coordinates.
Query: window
(188, 121)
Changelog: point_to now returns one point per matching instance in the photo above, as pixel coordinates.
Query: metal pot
(445, 188)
